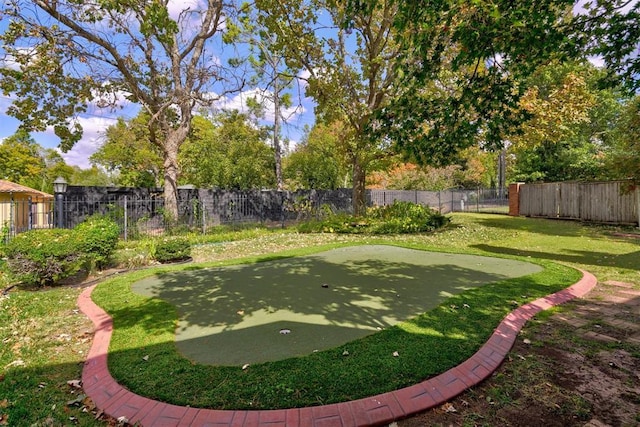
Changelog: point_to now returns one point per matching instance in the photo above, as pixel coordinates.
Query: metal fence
(141, 211)
(17, 216)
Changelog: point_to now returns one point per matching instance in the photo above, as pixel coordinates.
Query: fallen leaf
(77, 401)
(448, 407)
(123, 420)
(466, 306)
(526, 341)
(4, 403)
(285, 331)
(345, 353)
(240, 312)
(245, 366)
(18, 362)
(396, 354)
(74, 383)
(146, 358)
(4, 419)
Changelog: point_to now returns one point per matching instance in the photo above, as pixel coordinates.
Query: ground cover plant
(396, 218)
(38, 356)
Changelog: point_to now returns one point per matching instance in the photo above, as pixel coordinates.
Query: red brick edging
(118, 402)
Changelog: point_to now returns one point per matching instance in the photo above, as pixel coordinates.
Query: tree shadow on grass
(427, 345)
(325, 300)
(630, 260)
(546, 226)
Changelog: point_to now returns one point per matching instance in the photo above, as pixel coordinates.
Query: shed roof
(12, 187)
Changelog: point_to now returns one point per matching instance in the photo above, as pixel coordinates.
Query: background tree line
(408, 93)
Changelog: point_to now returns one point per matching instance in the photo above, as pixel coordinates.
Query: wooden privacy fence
(615, 202)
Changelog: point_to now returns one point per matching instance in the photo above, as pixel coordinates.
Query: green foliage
(227, 153)
(128, 150)
(44, 257)
(98, 237)
(172, 249)
(571, 128)
(397, 218)
(21, 161)
(318, 162)
(625, 159)
(609, 30)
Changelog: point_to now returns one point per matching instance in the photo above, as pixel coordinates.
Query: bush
(172, 249)
(44, 257)
(98, 237)
(398, 218)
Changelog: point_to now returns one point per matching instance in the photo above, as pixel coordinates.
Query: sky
(97, 120)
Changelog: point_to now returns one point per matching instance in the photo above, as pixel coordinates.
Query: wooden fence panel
(603, 202)
(570, 199)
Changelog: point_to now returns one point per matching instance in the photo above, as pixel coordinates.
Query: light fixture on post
(59, 188)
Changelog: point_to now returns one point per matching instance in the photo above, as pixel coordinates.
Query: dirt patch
(557, 374)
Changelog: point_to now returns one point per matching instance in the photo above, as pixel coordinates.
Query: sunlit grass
(34, 325)
(427, 345)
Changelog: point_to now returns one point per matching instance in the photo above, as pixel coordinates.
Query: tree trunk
(174, 140)
(277, 153)
(358, 193)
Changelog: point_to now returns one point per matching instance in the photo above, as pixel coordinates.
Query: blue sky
(95, 123)
(97, 119)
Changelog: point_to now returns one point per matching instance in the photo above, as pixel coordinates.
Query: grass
(34, 325)
(144, 358)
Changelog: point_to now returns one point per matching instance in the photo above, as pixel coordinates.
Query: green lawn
(44, 339)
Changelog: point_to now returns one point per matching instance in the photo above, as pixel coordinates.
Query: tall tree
(570, 128)
(460, 70)
(273, 76)
(318, 162)
(352, 70)
(129, 152)
(227, 153)
(21, 160)
(67, 53)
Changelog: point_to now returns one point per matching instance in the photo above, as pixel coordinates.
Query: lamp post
(59, 188)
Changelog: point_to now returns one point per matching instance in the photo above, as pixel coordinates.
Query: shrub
(98, 237)
(171, 249)
(398, 218)
(44, 257)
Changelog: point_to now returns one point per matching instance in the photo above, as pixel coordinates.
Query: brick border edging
(116, 401)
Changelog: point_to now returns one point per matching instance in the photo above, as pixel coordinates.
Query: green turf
(238, 314)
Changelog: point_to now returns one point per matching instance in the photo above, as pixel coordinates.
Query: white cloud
(303, 78)
(109, 100)
(176, 7)
(597, 61)
(11, 62)
(92, 138)
(239, 102)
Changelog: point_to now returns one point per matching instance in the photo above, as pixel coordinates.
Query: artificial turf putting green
(291, 307)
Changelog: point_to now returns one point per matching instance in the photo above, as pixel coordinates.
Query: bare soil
(579, 366)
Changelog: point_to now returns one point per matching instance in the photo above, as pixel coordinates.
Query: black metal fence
(141, 211)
